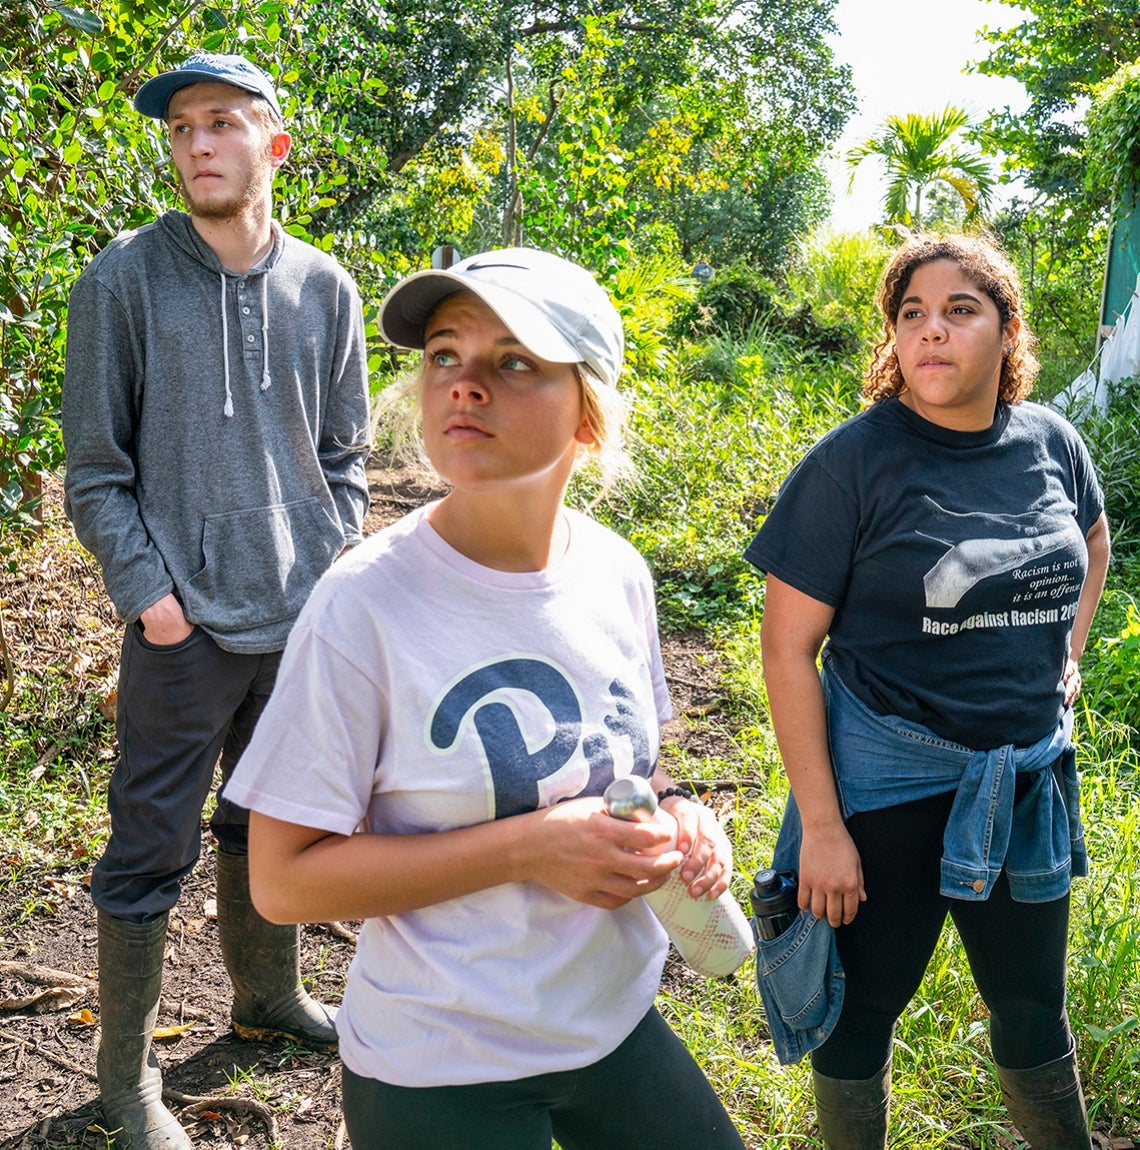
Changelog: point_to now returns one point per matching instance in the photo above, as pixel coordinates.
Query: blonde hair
(983, 262)
(607, 412)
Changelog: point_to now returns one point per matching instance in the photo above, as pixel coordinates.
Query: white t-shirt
(422, 692)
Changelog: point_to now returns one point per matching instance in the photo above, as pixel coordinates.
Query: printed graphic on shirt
(527, 718)
(982, 545)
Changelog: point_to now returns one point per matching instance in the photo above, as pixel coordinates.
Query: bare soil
(229, 1093)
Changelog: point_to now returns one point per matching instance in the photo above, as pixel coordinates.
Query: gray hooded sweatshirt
(216, 427)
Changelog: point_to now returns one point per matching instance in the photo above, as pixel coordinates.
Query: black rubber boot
(1047, 1105)
(263, 961)
(852, 1112)
(130, 1082)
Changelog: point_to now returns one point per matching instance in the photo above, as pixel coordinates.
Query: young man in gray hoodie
(215, 416)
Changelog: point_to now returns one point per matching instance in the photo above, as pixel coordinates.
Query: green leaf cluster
(1060, 52)
(1113, 144)
(740, 300)
(1112, 666)
(1057, 230)
(69, 178)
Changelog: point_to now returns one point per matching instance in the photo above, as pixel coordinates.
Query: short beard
(232, 208)
(222, 210)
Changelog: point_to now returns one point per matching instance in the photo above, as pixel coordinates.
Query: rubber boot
(130, 1082)
(1047, 1105)
(852, 1112)
(263, 961)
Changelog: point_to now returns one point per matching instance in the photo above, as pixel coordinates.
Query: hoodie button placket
(251, 332)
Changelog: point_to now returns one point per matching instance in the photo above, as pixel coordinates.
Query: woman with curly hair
(946, 548)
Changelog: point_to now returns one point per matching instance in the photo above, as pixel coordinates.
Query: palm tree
(919, 151)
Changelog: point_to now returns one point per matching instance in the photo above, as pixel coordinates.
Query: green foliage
(740, 299)
(1114, 444)
(748, 207)
(1111, 664)
(682, 100)
(647, 291)
(1113, 142)
(576, 201)
(750, 122)
(78, 165)
(712, 440)
(1060, 256)
(62, 84)
(1060, 52)
(1104, 980)
(838, 275)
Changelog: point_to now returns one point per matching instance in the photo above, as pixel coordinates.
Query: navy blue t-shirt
(954, 561)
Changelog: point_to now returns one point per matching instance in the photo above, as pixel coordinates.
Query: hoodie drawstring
(228, 410)
(265, 380)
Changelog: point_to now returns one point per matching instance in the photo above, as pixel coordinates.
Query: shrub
(1111, 664)
(838, 273)
(739, 299)
(1114, 444)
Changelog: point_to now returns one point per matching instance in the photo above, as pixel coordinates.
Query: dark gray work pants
(179, 707)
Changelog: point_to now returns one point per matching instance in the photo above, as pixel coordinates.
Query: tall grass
(839, 272)
(712, 438)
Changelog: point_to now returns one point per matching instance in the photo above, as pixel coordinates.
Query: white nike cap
(551, 306)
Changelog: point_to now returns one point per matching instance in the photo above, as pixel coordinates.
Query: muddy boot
(263, 960)
(1046, 1104)
(852, 1112)
(130, 1083)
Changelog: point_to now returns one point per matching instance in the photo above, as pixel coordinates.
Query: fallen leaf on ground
(172, 1031)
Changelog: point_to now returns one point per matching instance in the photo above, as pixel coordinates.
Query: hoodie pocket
(261, 564)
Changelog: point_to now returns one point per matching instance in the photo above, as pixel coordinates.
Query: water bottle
(773, 900)
(713, 937)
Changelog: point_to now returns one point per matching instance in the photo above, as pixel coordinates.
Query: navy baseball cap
(154, 96)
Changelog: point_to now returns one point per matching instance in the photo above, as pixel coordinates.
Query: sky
(907, 56)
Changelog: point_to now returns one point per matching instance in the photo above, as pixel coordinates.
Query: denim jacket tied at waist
(883, 760)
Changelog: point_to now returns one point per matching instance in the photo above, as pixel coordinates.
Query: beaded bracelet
(679, 792)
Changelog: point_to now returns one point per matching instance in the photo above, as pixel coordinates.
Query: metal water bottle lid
(631, 798)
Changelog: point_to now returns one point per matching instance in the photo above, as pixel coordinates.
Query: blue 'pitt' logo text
(485, 694)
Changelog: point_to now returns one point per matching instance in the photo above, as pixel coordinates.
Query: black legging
(648, 1092)
(1016, 949)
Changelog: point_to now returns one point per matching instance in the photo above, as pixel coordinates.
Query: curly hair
(981, 261)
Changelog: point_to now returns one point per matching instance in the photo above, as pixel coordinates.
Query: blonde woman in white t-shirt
(455, 698)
